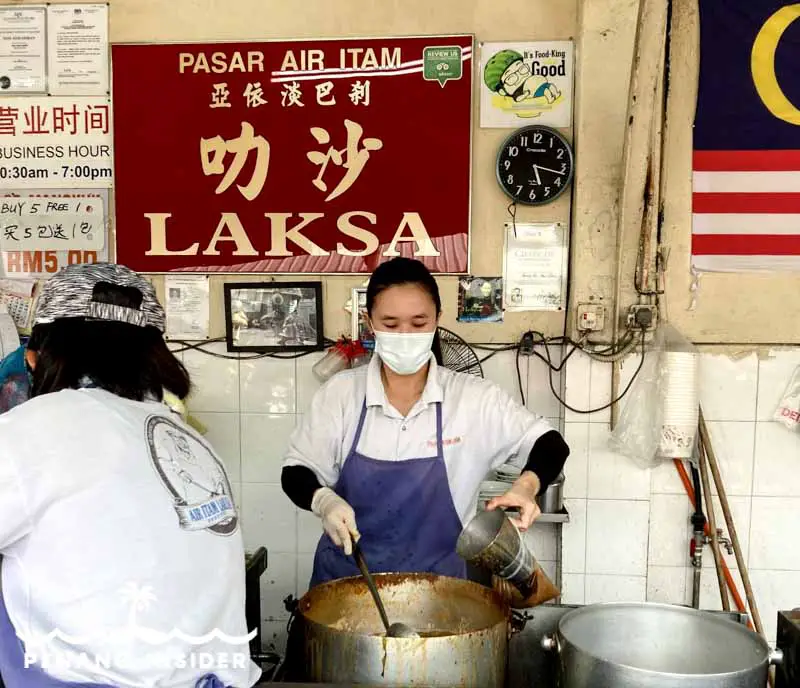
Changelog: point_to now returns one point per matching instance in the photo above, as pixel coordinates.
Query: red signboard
(293, 156)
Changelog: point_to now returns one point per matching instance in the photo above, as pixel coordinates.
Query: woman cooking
(392, 454)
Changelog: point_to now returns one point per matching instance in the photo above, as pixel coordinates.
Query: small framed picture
(274, 316)
(480, 299)
(360, 329)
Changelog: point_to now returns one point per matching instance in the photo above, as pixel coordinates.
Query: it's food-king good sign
(526, 83)
(318, 156)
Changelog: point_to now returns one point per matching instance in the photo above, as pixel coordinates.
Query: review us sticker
(442, 64)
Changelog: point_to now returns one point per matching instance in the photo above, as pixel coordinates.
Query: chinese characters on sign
(53, 119)
(55, 142)
(21, 260)
(293, 157)
(30, 223)
(254, 95)
(352, 158)
(291, 94)
(213, 152)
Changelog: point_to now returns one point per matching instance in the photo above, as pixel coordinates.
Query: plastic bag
(658, 415)
(637, 433)
(788, 411)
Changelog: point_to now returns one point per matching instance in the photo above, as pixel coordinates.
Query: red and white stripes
(746, 210)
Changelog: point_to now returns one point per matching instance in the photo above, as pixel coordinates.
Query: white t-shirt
(482, 428)
(117, 525)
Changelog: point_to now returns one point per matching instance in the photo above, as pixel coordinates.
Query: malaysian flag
(746, 160)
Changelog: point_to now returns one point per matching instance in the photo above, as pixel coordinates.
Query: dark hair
(127, 360)
(399, 271)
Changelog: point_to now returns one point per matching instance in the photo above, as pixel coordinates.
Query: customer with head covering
(120, 541)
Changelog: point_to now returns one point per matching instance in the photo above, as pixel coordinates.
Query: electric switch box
(591, 317)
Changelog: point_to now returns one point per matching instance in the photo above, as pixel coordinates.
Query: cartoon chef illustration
(193, 480)
(509, 76)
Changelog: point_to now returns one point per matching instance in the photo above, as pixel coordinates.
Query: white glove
(338, 518)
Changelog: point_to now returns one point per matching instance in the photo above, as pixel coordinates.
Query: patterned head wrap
(70, 294)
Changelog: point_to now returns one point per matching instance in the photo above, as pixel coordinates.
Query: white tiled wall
(629, 529)
(629, 535)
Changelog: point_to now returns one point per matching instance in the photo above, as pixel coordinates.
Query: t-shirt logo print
(193, 476)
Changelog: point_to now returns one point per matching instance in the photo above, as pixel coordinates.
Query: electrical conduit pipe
(737, 598)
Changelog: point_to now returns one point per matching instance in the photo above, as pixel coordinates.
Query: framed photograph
(274, 316)
(480, 299)
(360, 329)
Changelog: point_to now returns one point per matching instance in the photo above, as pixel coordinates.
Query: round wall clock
(535, 165)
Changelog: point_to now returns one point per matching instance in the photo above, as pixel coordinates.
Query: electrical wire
(512, 212)
(546, 343)
(493, 347)
(555, 369)
(609, 353)
(200, 347)
(613, 401)
(493, 354)
(626, 345)
(583, 343)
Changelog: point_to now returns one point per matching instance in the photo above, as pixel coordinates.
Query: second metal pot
(657, 646)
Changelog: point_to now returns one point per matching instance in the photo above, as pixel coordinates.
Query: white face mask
(404, 352)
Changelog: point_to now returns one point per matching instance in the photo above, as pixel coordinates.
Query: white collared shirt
(117, 516)
(482, 428)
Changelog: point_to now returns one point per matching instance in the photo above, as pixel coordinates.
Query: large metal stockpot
(629, 645)
(465, 629)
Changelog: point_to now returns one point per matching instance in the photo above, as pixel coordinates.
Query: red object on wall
(293, 156)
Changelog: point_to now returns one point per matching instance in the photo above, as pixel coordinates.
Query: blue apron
(404, 511)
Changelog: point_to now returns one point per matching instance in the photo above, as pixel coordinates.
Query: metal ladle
(395, 630)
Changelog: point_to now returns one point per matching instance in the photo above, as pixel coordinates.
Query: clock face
(535, 165)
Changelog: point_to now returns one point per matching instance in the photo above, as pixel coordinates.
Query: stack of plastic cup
(681, 399)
